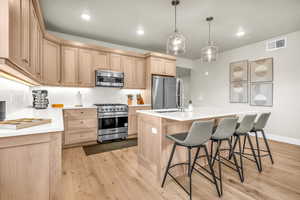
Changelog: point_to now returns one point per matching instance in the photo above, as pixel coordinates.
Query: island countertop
(196, 114)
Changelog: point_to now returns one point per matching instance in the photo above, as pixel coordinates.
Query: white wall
(16, 95)
(181, 62)
(213, 89)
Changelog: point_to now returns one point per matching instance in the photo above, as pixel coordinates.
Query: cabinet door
(34, 43)
(129, 71)
(25, 33)
(170, 68)
(51, 63)
(115, 62)
(140, 73)
(69, 66)
(85, 68)
(101, 60)
(157, 66)
(15, 31)
(38, 69)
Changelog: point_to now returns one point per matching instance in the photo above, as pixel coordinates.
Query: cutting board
(23, 123)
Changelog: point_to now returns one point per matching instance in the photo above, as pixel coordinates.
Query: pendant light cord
(209, 32)
(175, 18)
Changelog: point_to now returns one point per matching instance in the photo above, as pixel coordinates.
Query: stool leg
(211, 149)
(212, 171)
(234, 145)
(220, 167)
(253, 152)
(196, 157)
(190, 172)
(258, 150)
(169, 163)
(241, 156)
(244, 144)
(235, 162)
(267, 145)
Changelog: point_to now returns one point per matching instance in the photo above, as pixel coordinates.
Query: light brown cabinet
(30, 167)
(161, 66)
(86, 68)
(134, 71)
(116, 62)
(101, 60)
(69, 66)
(20, 33)
(51, 63)
(35, 46)
(80, 126)
(132, 119)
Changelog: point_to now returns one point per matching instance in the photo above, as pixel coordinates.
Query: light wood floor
(117, 176)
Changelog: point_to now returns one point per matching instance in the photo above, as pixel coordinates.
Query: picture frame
(261, 94)
(238, 92)
(238, 71)
(261, 70)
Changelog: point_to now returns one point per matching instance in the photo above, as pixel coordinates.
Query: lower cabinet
(30, 167)
(132, 119)
(80, 126)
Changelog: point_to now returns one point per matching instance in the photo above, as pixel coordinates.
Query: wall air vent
(275, 44)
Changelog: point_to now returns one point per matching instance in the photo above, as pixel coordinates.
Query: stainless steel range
(112, 121)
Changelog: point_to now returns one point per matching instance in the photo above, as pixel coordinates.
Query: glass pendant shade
(176, 44)
(176, 41)
(209, 53)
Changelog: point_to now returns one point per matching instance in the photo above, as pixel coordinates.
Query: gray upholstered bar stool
(199, 133)
(223, 133)
(259, 126)
(243, 129)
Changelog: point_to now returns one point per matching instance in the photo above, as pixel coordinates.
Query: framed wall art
(261, 94)
(239, 92)
(261, 70)
(239, 71)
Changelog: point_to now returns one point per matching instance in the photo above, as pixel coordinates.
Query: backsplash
(16, 95)
(90, 96)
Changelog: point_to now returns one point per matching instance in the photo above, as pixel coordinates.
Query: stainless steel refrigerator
(167, 92)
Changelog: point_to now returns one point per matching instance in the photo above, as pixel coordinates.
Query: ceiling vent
(275, 44)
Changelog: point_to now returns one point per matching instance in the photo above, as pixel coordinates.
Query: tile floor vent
(275, 44)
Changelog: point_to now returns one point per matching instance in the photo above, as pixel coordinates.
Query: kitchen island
(153, 126)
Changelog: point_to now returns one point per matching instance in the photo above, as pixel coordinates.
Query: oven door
(111, 125)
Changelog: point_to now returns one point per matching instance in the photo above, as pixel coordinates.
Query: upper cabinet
(19, 26)
(162, 66)
(35, 46)
(115, 62)
(101, 60)
(51, 63)
(86, 68)
(69, 66)
(135, 72)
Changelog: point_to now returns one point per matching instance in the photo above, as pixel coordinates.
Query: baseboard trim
(278, 138)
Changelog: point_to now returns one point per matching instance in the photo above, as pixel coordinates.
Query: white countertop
(82, 107)
(139, 105)
(197, 113)
(56, 125)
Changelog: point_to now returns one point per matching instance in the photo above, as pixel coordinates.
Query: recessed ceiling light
(85, 16)
(140, 31)
(240, 33)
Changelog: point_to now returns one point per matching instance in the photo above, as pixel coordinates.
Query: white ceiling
(116, 21)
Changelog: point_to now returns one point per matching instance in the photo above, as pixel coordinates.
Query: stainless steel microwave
(106, 78)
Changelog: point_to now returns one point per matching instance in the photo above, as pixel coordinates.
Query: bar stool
(243, 129)
(223, 133)
(199, 133)
(259, 126)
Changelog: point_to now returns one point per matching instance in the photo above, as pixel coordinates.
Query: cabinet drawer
(81, 124)
(80, 113)
(80, 136)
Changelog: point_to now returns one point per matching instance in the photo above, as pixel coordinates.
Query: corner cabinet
(51, 63)
(135, 72)
(69, 66)
(160, 66)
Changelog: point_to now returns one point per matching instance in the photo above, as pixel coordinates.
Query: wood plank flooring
(117, 176)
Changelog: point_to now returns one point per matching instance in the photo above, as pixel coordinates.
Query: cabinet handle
(25, 60)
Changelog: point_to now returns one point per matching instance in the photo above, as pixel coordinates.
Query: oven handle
(112, 116)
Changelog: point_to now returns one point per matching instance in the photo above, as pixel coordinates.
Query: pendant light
(210, 52)
(176, 41)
